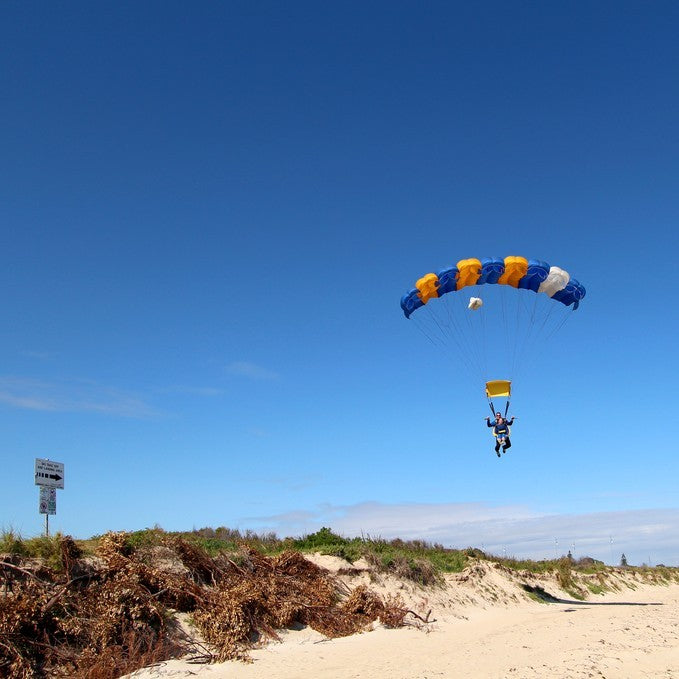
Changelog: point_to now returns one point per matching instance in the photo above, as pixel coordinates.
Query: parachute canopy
(510, 311)
(513, 271)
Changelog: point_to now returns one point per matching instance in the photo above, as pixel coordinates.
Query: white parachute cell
(475, 303)
(556, 280)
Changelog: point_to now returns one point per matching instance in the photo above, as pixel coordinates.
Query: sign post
(48, 504)
(49, 476)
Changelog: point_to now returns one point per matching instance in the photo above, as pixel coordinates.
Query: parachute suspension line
(552, 323)
(517, 332)
(451, 331)
(465, 330)
(559, 326)
(440, 334)
(422, 327)
(472, 332)
(505, 315)
(507, 408)
(525, 320)
(458, 338)
(484, 348)
(427, 324)
(525, 328)
(505, 321)
(455, 333)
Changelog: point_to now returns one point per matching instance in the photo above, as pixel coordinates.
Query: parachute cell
(448, 280)
(427, 285)
(491, 270)
(536, 274)
(571, 294)
(411, 301)
(469, 272)
(556, 280)
(515, 270)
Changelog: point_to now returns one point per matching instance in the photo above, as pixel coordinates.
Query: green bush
(11, 543)
(46, 549)
(322, 538)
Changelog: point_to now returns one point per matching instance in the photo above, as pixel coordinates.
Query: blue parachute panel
(536, 274)
(411, 301)
(491, 270)
(447, 280)
(571, 294)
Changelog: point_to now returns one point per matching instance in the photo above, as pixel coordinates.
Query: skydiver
(501, 431)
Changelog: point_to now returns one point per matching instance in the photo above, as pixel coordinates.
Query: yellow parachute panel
(428, 287)
(515, 269)
(470, 270)
(498, 388)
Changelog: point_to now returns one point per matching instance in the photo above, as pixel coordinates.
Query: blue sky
(209, 214)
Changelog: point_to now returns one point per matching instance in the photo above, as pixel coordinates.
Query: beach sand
(486, 627)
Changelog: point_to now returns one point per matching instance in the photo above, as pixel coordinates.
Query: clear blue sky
(209, 214)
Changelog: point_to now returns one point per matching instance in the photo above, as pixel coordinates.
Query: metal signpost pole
(49, 476)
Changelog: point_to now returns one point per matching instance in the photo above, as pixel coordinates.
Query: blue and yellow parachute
(516, 306)
(517, 272)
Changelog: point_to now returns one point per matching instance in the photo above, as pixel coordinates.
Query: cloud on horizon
(648, 535)
(71, 396)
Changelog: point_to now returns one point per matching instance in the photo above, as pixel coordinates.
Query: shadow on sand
(545, 596)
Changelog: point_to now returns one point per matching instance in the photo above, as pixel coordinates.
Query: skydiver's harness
(501, 436)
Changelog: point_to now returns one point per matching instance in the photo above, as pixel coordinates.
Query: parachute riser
(493, 411)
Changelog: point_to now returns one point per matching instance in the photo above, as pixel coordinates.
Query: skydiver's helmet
(498, 414)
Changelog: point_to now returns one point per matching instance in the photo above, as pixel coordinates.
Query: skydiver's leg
(507, 444)
(497, 447)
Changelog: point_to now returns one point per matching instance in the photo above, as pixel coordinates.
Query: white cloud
(250, 370)
(71, 396)
(649, 535)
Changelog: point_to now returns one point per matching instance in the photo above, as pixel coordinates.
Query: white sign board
(48, 473)
(48, 500)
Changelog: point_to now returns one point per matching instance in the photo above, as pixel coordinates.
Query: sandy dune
(486, 627)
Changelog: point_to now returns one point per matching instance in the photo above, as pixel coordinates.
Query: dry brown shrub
(114, 550)
(394, 612)
(22, 629)
(102, 622)
(363, 603)
(203, 569)
(105, 618)
(70, 556)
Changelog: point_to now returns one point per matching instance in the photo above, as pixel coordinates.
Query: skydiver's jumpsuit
(501, 430)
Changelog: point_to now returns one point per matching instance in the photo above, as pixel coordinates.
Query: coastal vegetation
(103, 607)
